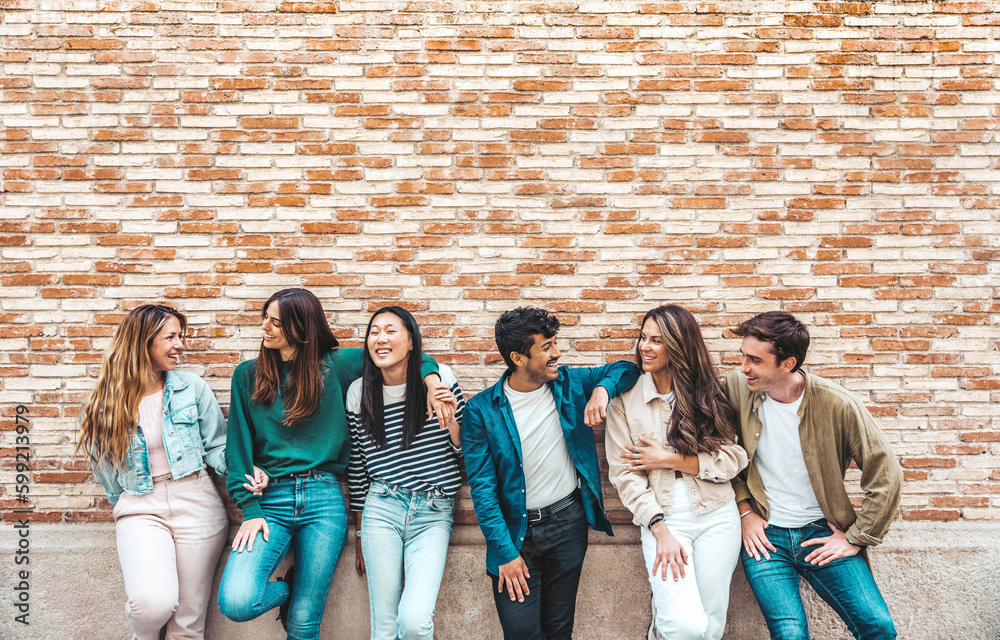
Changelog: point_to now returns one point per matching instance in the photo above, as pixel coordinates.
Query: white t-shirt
(783, 469)
(549, 474)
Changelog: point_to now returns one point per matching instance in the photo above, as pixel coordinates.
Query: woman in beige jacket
(671, 447)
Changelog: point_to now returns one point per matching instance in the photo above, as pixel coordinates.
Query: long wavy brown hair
(703, 419)
(111, 412)
(304, 325)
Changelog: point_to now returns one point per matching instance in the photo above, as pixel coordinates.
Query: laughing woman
(403, 475)
(287, 417)
(671, 446)
(150, 430)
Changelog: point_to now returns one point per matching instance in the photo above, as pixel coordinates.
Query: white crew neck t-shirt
(782, 468)
(549, 474)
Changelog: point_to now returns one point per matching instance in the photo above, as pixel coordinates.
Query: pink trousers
(169, 543)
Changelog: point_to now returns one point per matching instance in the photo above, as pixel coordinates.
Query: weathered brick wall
(837, 160)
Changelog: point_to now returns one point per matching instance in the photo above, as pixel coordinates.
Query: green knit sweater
(258, 436)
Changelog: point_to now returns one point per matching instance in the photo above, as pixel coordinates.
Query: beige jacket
(835, 428)
(642, 411)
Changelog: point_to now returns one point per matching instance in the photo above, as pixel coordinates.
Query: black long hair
(372, 409)
(703, 418)
(304, 325)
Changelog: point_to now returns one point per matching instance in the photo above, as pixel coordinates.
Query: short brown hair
(788, 337)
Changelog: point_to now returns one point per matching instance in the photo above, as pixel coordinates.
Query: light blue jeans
(404, 538)
(309, 515)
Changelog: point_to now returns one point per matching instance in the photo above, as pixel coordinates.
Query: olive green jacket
(835, 428)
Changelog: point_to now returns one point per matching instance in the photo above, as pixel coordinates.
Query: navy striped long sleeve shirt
(431, 461)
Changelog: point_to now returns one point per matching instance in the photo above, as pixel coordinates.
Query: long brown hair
(304, 326)
(372, 407)
(109, 416)
(703, 419)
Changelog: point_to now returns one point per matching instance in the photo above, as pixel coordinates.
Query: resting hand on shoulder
(833, 547)
(596, 410)
(441, 402)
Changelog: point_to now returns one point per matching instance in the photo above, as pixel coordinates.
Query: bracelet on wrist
(655, 520)
(745, 514)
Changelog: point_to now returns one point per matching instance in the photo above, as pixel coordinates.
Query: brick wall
(837, 160)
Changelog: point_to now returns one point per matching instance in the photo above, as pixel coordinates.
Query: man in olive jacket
(801, 433)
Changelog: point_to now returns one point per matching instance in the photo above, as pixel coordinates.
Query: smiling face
(541, 365)
(274, 337)
(167, 345)
(653, 355)
(389, 342)
(761, 367)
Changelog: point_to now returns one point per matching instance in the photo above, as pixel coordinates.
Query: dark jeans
(553, 550)
(845, 584)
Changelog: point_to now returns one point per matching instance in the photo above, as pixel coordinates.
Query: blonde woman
(672, 452)
(150, 430)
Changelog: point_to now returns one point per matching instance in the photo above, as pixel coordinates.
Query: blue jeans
(309, 515)
(554, 550)
(404, 533)
(846, 584)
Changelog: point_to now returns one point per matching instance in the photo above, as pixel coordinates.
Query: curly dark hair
(515, 331)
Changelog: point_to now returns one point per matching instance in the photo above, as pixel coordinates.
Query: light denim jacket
(194, 432)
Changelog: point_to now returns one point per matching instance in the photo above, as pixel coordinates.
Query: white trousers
(169, 543)
(694, 608)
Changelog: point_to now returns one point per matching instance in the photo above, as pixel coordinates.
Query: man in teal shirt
(533, 470)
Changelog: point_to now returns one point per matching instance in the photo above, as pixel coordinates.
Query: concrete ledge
(941, 581)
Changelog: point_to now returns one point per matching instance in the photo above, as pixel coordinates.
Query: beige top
(642, 411)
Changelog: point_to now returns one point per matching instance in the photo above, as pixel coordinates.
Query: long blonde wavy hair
(110, 414)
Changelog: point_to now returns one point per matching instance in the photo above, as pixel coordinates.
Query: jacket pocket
(183, 426)
(649, 435)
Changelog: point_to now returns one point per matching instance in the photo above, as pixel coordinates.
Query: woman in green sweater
(287, 417)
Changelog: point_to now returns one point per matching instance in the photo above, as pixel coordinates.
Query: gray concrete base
(941, 581)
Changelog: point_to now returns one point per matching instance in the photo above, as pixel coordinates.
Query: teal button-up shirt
(494, 461)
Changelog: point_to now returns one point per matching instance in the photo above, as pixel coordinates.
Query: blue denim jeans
(554, 550)
(404, 534)
(846, 584)
(309, 515)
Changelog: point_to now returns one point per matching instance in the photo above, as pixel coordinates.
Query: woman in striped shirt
(403, 476)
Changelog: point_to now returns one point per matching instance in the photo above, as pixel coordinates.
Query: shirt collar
(649, 392)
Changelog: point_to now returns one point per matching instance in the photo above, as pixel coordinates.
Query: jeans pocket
(441, 504)
(327, 477)
(378, 489)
